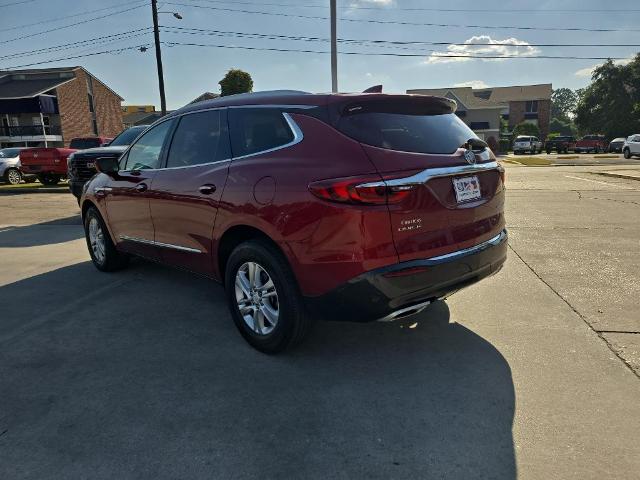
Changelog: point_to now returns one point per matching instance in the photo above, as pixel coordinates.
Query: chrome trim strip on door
(297, 138)
(160, 244)
(426, 175)
(492, 242)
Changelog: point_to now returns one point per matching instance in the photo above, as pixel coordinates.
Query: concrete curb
(619, 175)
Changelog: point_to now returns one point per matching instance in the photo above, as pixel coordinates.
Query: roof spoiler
(374, 89)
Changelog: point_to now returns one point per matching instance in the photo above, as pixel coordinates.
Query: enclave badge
(470, 157)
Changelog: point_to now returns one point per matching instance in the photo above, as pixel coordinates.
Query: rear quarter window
(434, 134)
(255, 130)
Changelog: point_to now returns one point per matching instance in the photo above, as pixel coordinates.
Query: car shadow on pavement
(141, 374)
(39, 234)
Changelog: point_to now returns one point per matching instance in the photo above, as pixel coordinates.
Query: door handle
(141, 187)
(207, 189)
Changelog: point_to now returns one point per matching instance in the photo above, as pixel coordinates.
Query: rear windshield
(84, 143)
(437, 134)
(523, 139)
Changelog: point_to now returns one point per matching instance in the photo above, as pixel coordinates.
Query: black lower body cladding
(378, 293)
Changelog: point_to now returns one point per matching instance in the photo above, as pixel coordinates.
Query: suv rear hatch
(452, 187)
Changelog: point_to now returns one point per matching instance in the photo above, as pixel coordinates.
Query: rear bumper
(379, 293)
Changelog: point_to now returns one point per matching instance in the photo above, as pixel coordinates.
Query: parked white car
(631, 146)
(525, 143)
(10, 165)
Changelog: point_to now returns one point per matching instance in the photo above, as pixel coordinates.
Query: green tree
(560, 127)
(563, 103)
(611, 103)
(235, 81)
(526, 128)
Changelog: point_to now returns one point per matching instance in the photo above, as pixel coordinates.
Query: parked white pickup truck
(525, 143)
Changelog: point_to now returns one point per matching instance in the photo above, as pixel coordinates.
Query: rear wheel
(102, 250)
(263, 297)
(49, 179)
(13, 176)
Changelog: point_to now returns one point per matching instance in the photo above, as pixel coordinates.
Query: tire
(107, 258)
(49, 179)
(627, 153)
(291, 322)
(12, 176)
(596, 150)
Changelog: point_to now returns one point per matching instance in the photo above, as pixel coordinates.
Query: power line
(71, 24)
(50, 20)
(289, 50)
(398, 22)
(269, 36)
(80, 43)
(16, 3)
(387, 54)
(427, 9)
(117, 50)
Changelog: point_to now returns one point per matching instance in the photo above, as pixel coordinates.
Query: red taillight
(364, 191)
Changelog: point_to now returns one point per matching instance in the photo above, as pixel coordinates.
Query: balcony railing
(29, 131)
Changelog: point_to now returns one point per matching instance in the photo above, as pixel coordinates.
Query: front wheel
(13, 176)
(49, 179)
(103, 252)
(627, 153)
(264, 300)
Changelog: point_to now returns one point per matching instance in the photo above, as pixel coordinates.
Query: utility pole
(156, 36)
(334, 49)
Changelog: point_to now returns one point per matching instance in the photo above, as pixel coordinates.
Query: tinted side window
(145, 153)
(255, 130)
(199, 138)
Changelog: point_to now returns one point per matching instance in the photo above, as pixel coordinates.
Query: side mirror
(108, 165)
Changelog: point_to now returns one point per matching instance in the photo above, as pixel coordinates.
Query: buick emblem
(470, 157)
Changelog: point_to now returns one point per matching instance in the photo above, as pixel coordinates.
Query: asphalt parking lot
(533, 373)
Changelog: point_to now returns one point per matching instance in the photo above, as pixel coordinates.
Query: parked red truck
(49, 164)
(591, 143)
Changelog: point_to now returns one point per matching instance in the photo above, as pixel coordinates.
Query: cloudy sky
(496, 29)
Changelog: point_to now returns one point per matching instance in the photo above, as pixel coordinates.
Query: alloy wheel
(14, 177)
(96, 240)
(257, 298)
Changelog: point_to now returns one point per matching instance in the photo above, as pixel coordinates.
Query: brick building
(49, 107)
(483, 108)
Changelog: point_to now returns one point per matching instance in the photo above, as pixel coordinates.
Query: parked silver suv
(631, 146)
(10, 165)
(526, 143)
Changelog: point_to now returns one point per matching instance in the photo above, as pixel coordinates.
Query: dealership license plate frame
(467, 189)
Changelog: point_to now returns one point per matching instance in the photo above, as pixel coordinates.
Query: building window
(479, 126)
(461, 113)
(531, 106)
(91, 108)
(95, 127)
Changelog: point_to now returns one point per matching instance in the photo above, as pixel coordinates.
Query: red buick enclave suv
(340, 206)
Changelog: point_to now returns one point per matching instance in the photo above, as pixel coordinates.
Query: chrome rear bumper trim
(468, 251)
(405, 312)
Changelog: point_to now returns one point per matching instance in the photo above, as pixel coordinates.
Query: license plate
(91, 165)
(466, 188)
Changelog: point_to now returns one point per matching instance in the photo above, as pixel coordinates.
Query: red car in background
(354, 207)
(49, 164)
(591, 144)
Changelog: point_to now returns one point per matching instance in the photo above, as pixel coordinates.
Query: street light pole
(334, 49)
(156, 36)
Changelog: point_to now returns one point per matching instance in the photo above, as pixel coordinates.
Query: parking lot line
(598, 181)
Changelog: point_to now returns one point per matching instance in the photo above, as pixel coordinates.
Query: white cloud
(472, 84)
(588, 72)
(490, 47)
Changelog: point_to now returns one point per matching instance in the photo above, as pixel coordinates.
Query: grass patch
(31, 186)
(605, 155)
(532, 161)
(567, 157)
